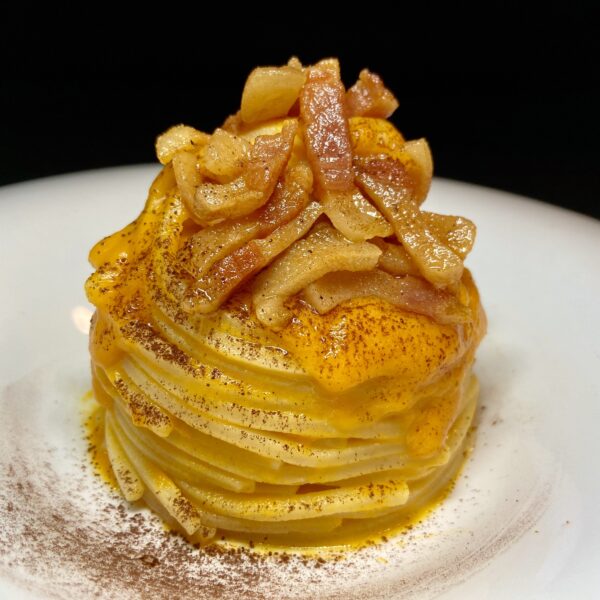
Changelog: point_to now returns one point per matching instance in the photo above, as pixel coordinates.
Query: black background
(506, 95)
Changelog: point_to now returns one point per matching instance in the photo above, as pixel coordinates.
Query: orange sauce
(93, 425)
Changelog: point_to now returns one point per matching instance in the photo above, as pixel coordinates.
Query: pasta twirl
(283, 340)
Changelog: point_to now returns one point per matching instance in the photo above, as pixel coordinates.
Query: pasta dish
(283, 339)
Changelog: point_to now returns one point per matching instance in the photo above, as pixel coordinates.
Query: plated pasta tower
(283, 339)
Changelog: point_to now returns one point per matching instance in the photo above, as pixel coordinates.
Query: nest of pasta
(283, 338)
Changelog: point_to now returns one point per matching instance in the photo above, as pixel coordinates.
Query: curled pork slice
(187, 174)
(228, 274)
(269, 155)
(368, 97)
(457, 232)
(396, 191)
(176, 139)
(326, 133)
(354, 216)
(224, 157)
(436, 262)
(203, 249)
(290, 197)
(410, 293)
(270, 92)
(395, 259)
(321, 252)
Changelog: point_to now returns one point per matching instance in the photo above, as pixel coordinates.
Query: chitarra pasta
(283, 339)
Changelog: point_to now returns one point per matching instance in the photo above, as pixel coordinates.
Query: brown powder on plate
(64, 533)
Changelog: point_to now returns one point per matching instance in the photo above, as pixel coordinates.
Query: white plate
(523, 521)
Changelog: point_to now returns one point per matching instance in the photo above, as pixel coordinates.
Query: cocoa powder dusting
(65, 534)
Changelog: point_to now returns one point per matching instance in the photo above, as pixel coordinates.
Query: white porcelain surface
(523, 521)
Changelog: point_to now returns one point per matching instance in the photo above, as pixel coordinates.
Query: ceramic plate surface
(522, 522)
